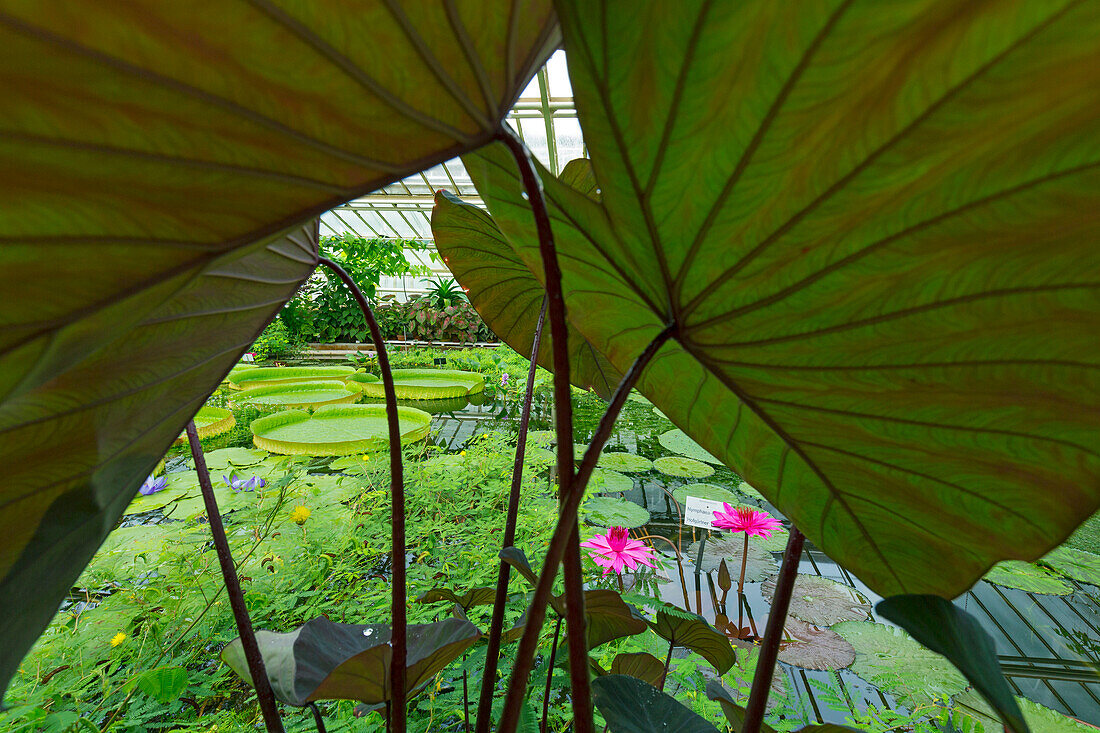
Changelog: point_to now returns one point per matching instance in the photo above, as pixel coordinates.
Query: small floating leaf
(625, 462)
(682, 467)
(611, 511)
(677, 441)
(1084, 567)
(1026, 576)
(814, 648)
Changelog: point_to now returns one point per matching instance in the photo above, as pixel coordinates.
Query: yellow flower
(118, 639)
(365, 457)
(299, 514)
(462, 453)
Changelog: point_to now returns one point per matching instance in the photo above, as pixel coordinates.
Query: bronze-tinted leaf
(681, 628)
(159, 160)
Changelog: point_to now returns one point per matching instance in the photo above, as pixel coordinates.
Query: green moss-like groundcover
(297, 394)
(429, 384)
(336, 430)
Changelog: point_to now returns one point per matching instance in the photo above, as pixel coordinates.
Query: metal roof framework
(545, 118)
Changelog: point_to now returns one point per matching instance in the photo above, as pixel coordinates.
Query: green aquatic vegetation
(604, 481)
(813, 648)
(611, 511)
(677, 441)
(266, 376)
(890, 658)
(1027, 576)
(429, 384)
(1084, 567)
(710, 492)
(625, 462)
(681, 467)
(759, 563)
(336, 430)
(297, 395)
(210, 421)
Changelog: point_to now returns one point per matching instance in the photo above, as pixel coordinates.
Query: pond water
(1048, 645)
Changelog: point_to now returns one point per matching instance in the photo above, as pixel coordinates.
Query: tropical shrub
(457, 321)
(323, 310)
(276, 342)
(443, 291)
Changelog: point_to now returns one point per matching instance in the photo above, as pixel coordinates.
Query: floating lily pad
(1040, 719)
(209, 422)
(263, 376)
(355, 462)
(128, 551)
(749, 491)
(682, 467)
(360, 378)
(1084, 567)
(710, 492)
(677, 441)
(1025, 576)
(162, 498)
(760, 563)
(237, 370)
(336, 430)
(888, 657)
(297, 394)
(820, 601)
(814, 648)
(636, 396)
(225, 457)
(625, 462)
(658, 413)
(610, 511)
(428, 384)
(604, 481)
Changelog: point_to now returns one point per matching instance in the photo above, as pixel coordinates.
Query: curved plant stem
(668, 661)
(252, 655)
(536, 611)
(550, 675)
(399, 597)
(773, 634)
(317, 719)
(496, 626)
(563, 425)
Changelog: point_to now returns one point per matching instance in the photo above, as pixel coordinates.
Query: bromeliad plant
(857, 324)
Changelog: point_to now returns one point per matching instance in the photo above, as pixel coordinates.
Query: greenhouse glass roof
(545, 118)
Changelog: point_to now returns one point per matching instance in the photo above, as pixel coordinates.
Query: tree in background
(323, 310)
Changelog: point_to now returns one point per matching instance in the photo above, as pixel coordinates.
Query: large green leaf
(874, 230)
(324, 660)
(158, 162)
(630, 705)
(507, 294)
(691, 631)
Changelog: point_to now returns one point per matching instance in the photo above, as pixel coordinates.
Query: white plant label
(700, 512)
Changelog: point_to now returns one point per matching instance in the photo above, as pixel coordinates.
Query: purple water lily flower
(240, 484)
(153, 484)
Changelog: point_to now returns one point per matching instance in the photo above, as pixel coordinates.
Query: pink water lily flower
(747, 520)
(615, 550)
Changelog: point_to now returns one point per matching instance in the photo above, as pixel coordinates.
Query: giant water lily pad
(267, 376)
(336, 430)
(611, 511)
(1084, 567)
(848, 333)
(296, 394)
(814, 648)
(209, 422)
(428, 384)
(1029, 577)
(820, 601)
(759, 564)
(677, 441)
(625, 462)
(1039, 718)
(891, 659)
(604, 481)
(682, 467)
(142, 503)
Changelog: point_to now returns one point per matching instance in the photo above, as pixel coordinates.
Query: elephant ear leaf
(630, 705)
(153, 194)
(324, 660)
(506, 293)
(682, 628)
(893, 335)
(947, 629)
(470, 599)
